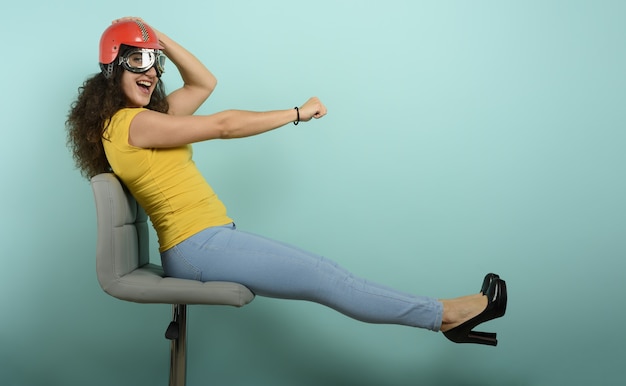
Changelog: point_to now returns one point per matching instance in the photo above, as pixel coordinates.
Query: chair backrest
(122, 256)
(122, 244)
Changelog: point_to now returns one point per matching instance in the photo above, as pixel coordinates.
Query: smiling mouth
(144, 85)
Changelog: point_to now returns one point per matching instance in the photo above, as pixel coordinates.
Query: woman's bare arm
(150, 129)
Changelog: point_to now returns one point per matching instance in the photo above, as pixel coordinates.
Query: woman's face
(138, 88)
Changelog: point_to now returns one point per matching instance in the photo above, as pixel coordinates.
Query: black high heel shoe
(496, 307)
(487, 282)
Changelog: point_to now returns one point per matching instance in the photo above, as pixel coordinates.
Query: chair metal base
(177, 333)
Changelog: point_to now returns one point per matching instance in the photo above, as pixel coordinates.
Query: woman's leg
(273, 269)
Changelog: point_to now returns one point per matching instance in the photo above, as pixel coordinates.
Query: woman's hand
(313, 108)
(134, 18)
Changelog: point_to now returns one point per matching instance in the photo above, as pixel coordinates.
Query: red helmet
(132, 33)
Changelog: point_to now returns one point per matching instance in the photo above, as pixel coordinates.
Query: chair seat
(147, 284)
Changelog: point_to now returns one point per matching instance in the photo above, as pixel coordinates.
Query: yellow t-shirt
(165, 182)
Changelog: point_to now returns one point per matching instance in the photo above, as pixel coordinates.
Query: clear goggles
(139, 60)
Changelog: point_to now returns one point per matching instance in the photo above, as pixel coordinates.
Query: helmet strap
(107, 70)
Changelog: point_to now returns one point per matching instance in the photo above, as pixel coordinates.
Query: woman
(122, 121)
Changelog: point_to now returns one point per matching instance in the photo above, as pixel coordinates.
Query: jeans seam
(180, 256)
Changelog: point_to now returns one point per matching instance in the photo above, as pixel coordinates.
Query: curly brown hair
(98, 100)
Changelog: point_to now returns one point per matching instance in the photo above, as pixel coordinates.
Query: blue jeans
(273, 269)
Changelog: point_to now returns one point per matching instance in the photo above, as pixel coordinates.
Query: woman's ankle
(459, 310)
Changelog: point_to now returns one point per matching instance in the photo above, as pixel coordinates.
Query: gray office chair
(125, 272)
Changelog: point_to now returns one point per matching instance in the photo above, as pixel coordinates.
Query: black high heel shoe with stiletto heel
(496, 307)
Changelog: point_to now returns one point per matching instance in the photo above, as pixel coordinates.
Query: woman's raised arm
(198, 81)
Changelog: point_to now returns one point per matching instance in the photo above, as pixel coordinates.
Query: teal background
(462, 137)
